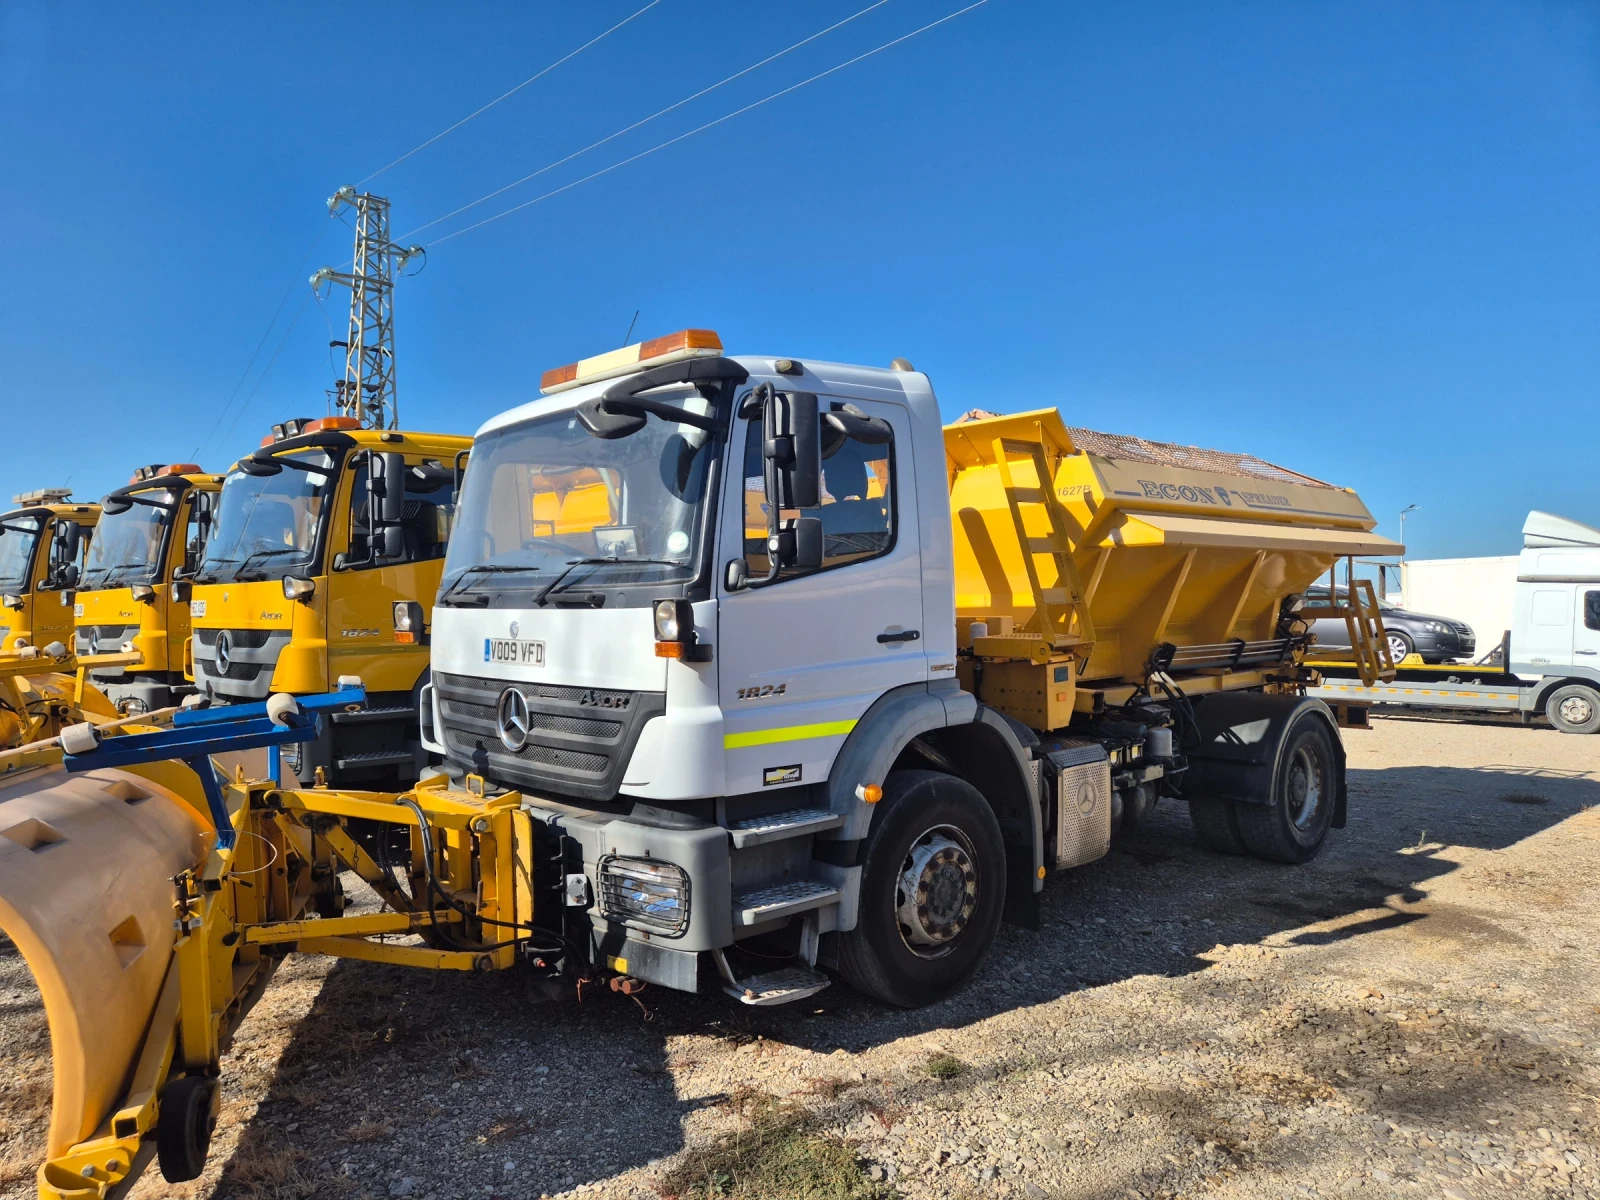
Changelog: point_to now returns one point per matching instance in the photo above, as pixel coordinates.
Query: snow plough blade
(86, 893)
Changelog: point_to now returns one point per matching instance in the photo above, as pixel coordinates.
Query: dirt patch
(1412, 1014)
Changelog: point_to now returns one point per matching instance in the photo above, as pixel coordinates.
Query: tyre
(1214, 822)
(1400, 645)
(1135, 805)
(1574, 708)
(933, 884)
(184, 1122)
(1292, 827)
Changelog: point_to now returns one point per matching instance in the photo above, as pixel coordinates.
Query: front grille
(252, 658)
(110, 638)
(243, 639)
(579, 739)
(243, 672)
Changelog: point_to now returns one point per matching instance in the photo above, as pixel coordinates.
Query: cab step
(774, 827)
(782, 900)
(783, 986)
(376, 716)
(374, 758)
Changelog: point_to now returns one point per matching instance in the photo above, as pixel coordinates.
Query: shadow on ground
(483, 1086)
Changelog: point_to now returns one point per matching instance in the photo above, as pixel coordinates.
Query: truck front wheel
(1574, 708)
(933, 884)
(1291, 827)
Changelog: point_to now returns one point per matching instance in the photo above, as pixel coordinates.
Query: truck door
(1546, 634)
(801, 660)
(53, 618)
(364, 587)
(1586, 630)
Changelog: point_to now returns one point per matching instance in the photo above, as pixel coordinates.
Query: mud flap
(86, 892)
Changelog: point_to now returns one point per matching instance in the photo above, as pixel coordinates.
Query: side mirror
(792, 442)
(391, 541)
(798, 543)
(388, 486)
(66, 575)
(182, 590)
(112, 505)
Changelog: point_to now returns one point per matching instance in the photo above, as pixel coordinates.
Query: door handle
(905, 635)
(1575, 652)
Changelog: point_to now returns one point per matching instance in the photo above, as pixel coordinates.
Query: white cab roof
(1547, 529)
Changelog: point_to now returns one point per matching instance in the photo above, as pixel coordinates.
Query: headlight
(668, 627)
(408, 624)
(402, 617)
(1435, 627)
(298, 589)
(644, 892)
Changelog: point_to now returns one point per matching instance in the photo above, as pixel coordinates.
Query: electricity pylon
(367, 390)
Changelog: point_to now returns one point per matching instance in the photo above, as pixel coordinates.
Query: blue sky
(1359, 239)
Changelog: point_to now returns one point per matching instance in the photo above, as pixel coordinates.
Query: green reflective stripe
(789, 733)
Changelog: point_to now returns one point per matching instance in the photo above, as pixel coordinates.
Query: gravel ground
(1414, 1014)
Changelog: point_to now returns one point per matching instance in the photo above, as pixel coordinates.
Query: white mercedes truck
(776, 662)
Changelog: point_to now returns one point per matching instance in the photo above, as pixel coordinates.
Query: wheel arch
(988, 750)
(1241, 742)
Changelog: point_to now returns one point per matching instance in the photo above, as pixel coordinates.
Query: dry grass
(367, 1131)
(944, 1067)
(776, 1153)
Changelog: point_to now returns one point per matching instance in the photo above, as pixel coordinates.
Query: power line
(505, 95)
(322, 228)
(644, 121)
(708, 125)
(288, 329)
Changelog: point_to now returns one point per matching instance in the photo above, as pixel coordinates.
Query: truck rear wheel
(933, 883)
(1291, 828)
(1214, 822)
(1574, 708)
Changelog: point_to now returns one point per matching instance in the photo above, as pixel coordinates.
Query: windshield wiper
(480, 569)
(272, 553)
(573, 563)
(105, 574)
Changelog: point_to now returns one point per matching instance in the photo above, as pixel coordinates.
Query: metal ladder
(1061, 611)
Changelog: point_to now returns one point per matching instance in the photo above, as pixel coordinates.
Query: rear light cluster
(646, 893)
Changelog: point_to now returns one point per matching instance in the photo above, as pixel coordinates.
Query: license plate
(519, 652)
(197, 608)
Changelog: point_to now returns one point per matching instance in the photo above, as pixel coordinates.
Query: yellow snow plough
(201, 885)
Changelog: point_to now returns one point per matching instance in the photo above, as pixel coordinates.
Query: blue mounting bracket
(198, 733)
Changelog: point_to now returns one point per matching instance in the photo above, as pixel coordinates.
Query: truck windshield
(17, 536)
(546, 496)
(268, 525)
(127, 546)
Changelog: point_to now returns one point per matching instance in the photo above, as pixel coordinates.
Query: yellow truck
(42, 545)
(322, 561)
(134, 588)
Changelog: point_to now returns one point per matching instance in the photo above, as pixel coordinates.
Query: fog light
(644, 892)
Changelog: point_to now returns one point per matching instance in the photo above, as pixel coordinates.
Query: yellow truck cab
(134, 586)
(323, 560)
(42, 545)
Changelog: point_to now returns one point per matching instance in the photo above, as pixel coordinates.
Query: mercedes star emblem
(224, 651)
(516, 630)
(512, 718)
(94, 641)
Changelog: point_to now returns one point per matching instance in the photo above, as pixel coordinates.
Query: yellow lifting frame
(236, 914)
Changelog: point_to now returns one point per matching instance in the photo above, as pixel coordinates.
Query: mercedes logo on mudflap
(224, 651)
(512, 719)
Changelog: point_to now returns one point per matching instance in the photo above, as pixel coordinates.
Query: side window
(857, 509)
(193, 536)
(1591, 610)
(430, 507)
